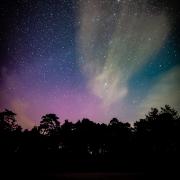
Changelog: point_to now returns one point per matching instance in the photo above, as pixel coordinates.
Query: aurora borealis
(88, 58)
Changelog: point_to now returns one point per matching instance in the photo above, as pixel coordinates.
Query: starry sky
(88, 58)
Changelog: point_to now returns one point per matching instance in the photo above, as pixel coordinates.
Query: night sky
(88, 58)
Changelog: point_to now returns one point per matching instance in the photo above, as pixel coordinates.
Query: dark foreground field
(89, 176)
(94, 176)
(41, 168)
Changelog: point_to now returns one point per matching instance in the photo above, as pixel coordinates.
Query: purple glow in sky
(93, 59)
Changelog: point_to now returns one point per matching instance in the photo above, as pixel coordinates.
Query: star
(88, 58)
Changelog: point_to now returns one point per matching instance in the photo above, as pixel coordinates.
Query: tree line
(159, 131)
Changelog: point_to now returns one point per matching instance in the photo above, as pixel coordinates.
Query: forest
(149, 143)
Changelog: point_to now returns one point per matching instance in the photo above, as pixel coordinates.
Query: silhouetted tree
(8, 122)
(119, 137)
(49, 124)
(158, 131)
(10, 132)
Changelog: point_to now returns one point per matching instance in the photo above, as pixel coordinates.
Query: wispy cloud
(116, 41)
(165, 91)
